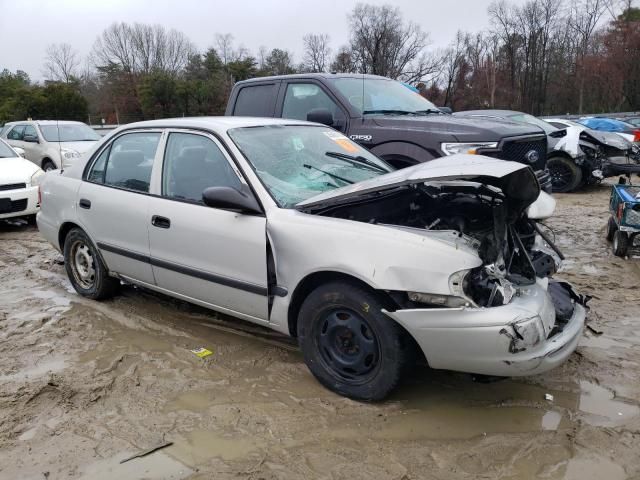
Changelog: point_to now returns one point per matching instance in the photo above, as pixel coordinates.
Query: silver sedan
(293, 226)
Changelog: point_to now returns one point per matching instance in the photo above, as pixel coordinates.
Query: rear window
(256, 101)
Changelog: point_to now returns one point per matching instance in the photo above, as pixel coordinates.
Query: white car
(50, 144)
(293, 226)
(19, 179)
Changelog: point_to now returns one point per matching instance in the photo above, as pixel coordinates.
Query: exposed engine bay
(492, 222)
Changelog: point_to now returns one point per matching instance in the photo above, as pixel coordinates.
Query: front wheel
(565, 174)
(48, 165)
(349, 345)
(620, 243)
(85, 269)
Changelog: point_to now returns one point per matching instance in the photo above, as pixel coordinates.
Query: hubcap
(82, 264)
(347, 345)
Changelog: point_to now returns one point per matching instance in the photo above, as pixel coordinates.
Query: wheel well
(560, 153)
(45, 160)
(64, 231)
(311, 282)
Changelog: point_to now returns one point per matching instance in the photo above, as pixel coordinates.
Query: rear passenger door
(213, 256)
(113, 202)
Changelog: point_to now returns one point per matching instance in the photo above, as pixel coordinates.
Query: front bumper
(544, 179)
(24, 201)
(480, 340)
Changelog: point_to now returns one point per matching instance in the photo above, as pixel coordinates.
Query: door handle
(84, 203)
(160, 222)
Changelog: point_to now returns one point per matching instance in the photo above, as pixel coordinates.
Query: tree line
(541, 57)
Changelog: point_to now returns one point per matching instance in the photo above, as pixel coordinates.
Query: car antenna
(362, 110)
(59, 142)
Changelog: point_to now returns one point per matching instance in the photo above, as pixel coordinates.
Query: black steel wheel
(349, 344)
(620, 243)
(612, 227)
(565, 174)
(48, 165)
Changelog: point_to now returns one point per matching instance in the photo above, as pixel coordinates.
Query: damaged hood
(517, 181)
(570, 143)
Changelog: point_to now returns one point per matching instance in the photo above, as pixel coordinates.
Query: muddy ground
(84, 385)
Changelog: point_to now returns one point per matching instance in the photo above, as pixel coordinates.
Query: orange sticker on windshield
(346, 144)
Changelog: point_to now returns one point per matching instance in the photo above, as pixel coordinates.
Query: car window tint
(96, 174)
(131, 160)
(302, 98)
(256, 101)
(193, 163)
(29, 130)
(561, 126)
(16, 133)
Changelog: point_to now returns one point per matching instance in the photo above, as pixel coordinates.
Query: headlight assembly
(36, 178)
(468, 148)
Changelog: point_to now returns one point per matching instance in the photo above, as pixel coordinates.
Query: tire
(566, 176)
(48, 165)
(349, 345)
(85, 269)
(31, 220)
(612, 227)
(620, 243)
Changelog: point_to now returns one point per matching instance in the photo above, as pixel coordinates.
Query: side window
(193, 163)
(561, 126)
(96, 174)
(29, 130)
(130, 161)
(302, 98)
(16, 133)
(256, 101)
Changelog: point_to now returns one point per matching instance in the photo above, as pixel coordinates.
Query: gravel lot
(84, 385)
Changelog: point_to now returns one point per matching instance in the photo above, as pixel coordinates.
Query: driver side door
(211, 256)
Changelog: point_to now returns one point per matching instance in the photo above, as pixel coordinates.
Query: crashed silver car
(293, 226)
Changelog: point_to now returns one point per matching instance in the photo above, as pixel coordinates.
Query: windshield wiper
(357, 160)
(430, 110)
(332, 175)
(388, 112)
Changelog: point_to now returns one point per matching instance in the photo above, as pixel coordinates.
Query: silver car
(50, 144)
(293, 226)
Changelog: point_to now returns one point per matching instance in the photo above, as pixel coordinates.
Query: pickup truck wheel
(48, 165)
(349, 345)
(565, 174)
(612, 227)
(85, 269)
(620, 243)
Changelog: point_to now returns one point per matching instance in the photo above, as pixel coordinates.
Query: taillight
(636, 135)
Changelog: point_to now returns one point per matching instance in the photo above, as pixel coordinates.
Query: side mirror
(231, 199)
(320, 115)
(445, 110)
(19, 151)
(30, 139)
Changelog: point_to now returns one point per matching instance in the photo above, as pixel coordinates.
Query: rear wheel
(85, 269)
(612, 227)
(565, 174)
(48, 165)
(349, 345)
(620, 243)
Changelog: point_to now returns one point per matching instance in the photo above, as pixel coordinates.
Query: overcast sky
(28, 26)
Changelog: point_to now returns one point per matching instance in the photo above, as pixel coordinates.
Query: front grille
(16, 206)
(13, 186)
(518, 149)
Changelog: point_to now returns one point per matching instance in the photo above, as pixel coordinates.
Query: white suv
(50, 144)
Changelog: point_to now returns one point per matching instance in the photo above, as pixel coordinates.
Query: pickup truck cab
(392, 121)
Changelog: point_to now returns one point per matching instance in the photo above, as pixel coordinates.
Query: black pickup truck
(387, 117)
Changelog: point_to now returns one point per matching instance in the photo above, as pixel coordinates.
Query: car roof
(46, 122)
(324, 75)
(214, 123)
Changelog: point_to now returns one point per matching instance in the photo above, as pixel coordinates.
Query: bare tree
(61, 63)
(382, 43)
(343, 62)
(141, 48)
(316, 52)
